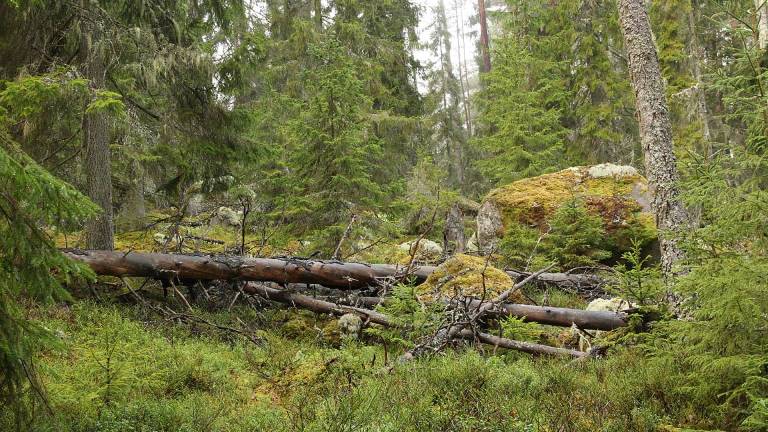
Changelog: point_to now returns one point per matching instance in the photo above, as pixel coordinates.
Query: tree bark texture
(484, 41)
(97, 164)
(453, 235)
(655, 130)
(332, 274)
(761, 15)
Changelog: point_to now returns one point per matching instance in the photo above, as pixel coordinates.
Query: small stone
(350, 326)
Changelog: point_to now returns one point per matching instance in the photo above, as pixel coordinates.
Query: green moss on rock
(468, 276)
(617, 194)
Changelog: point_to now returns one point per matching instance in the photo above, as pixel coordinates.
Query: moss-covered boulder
(466, 276)
(617, 194)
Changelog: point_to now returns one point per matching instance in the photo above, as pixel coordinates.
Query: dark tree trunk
(484, 41)
(97, 163)
(655, 130)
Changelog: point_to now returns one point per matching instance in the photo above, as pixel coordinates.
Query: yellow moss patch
(465, 274)
(531, 201)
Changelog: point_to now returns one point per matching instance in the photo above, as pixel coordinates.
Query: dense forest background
(338, 129)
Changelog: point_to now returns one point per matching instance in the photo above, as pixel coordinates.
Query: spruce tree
(34, 206)
(444, 98)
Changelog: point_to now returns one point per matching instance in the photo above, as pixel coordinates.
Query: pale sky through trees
(458, 12)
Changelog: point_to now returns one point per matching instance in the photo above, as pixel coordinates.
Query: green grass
(117, 368)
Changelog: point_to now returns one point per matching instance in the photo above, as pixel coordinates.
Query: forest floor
(123, 368)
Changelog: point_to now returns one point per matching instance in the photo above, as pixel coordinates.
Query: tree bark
(696, 62)
(320, 306)
(761, 15)
(554, 316)
(454, 240)
(484, 41)
(332, 274)
(97, 164)
(655, 131)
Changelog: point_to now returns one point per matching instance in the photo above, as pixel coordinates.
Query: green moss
(532, 202)
(467, 275)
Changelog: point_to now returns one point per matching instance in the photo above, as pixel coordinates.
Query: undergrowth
(119, 369)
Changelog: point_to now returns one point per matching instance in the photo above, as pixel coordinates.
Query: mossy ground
(118, 369)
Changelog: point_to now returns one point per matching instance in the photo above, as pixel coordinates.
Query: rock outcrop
(428, 250)
(616, 193)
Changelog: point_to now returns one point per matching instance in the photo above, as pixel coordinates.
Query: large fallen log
(555, 316)
(326, 273)
(200, 267)
(325, 307)
(333, 274)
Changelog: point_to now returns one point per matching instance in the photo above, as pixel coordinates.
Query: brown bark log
(655, 130)
(526, 347)
(555, 316)
(313, 304)
(333, 274)
(320, 306)
(283, 271)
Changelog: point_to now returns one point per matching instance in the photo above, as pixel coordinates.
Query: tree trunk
(332, 274)
(320, 306)
(462, 72)
(99, 231)
(484, 42)
(761, 15)
(318, 15)
(453, 235)
(697, 60)
(134, 209)
(554, 316)
(655, 130)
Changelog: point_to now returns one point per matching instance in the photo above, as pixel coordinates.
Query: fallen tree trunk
(333, 274)
(280, 270)
(313, 304)
(555, 316)
(321, 306)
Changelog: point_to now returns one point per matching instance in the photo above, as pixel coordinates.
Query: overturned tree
(333, 274)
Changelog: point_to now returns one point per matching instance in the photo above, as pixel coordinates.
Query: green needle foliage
(31, 267)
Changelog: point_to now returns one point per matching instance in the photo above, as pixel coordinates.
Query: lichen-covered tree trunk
(655, 130)
(761, 12)
(97, 163)
(453, 235)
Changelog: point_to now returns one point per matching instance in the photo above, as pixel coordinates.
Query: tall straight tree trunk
(318, 16)
(462, 72)
(655, 130)
(97, 164)
(484, 42)
(696, 61)
(761, 14)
